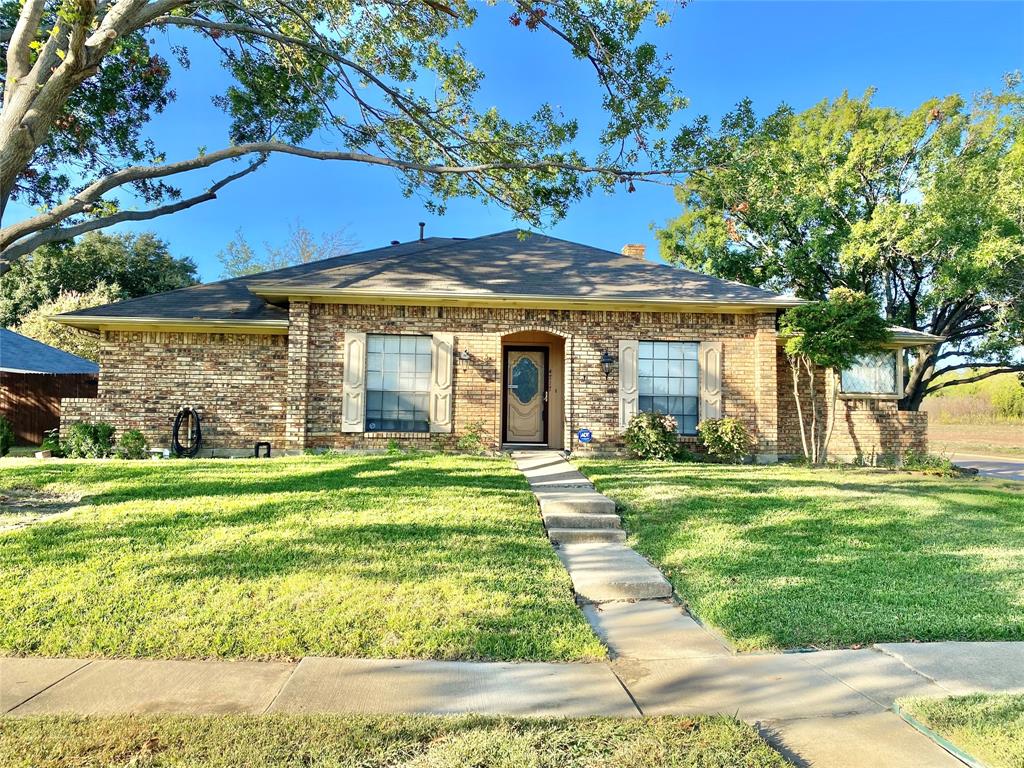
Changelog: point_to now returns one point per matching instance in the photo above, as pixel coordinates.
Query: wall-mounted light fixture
(607, 361)
(464, 356)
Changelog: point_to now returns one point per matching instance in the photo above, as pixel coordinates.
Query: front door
(525, 395)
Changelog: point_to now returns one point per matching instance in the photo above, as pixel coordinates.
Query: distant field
(986, 439)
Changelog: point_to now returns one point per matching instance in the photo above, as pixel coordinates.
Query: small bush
(51, 442)
(472, 439)
(6, 436)
(653, 436)
(132, 445)
(88, 441)
(726, 439)
(916, 461)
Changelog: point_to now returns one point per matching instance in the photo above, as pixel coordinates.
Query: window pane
(872, 374)
(397, 383)
(669, 381)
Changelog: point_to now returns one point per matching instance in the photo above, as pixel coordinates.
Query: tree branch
(8, 255)
(971, 379)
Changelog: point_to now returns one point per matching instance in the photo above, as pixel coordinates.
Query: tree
(828, 335)
(386, 82)
(38, 325)
(924, 211)
(302, 247)
(137, 264)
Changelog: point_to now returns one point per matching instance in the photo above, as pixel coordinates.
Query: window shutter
(629, 351)
(442, 359)
(353, 403)
(710, 380)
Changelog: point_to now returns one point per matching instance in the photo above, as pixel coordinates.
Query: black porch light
(607, 361)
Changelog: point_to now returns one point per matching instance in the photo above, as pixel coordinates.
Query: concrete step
(580, 520)
(603, 572)
(585, 535)
(574, 500)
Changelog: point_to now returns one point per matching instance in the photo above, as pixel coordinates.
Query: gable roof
(20, 354)
(505, 268)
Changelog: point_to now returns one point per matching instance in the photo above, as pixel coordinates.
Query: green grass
(382, 556)
(280, 741)
(782, 556)
(988, 727)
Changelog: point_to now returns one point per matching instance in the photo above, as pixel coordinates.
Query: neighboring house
(524, 339)
(34, 377)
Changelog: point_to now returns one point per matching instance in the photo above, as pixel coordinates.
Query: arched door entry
(526, 395)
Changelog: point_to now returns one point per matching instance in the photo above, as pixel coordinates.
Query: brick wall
(237, 383)
(591, 399)
(867, 429)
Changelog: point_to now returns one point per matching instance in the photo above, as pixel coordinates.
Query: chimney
(422, 225)
(634, 250)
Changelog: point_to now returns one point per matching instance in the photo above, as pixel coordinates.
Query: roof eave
(277, 292)
(97, 323)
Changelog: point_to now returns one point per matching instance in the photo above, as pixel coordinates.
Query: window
(669, 383)
(397, 383)
(872, 375)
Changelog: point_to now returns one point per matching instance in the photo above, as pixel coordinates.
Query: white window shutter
(442, 360)
(710, 380)
(353, 403)
(629, 393)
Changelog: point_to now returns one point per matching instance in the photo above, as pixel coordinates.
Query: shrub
(472, 439)
(51, 442)
(88, 441)
(725, 439)
(6, 436)
(132, 445)
(653, 436)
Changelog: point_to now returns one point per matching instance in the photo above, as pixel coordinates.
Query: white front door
(526, 382)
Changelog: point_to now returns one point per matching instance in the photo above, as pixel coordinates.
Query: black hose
(193, 434)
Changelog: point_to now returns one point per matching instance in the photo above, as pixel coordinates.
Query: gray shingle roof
(20, 354)
(500, 266)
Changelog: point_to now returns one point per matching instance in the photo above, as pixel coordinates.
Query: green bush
(6, 436)
(653, 436)
(88, 441)
(51, 442)
(472, 439)
(1008, 398)
(726, 439)
(132, 445)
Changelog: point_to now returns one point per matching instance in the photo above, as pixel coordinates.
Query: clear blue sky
(796, 52)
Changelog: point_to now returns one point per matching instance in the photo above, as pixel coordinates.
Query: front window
(872, 375)
(397, 383)
(669, 383)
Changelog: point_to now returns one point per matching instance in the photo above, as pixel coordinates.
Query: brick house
(522, 339)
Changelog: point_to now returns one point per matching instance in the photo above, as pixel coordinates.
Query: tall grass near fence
(996, 400)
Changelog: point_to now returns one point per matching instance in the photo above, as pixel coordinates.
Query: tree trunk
(814, 411)
(794, 366)
(920, 377)
(834, 379)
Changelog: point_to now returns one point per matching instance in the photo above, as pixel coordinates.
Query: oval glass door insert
(526, 378)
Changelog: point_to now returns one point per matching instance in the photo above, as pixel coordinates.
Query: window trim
(367, 389)
(897, 395)
(639, 395)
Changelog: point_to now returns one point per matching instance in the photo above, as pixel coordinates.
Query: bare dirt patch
(983, 439)
(20, 507)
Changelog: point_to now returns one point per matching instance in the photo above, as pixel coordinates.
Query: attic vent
(634, 250)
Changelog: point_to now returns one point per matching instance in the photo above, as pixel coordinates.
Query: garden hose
(193, 436)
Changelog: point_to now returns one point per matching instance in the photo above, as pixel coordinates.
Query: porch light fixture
(607, 361)
(464, 356)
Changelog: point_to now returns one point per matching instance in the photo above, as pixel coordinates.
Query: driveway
(1004, 467)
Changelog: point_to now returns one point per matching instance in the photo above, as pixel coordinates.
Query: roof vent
(634, 250)
(395, 242)
(423, 224)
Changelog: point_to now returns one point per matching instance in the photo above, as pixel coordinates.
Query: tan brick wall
(237, 383)
(591, 400)
(867, 429)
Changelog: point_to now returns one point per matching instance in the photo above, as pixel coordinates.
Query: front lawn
(386, 556)
(988, 727)
(326, 741)
(784, 556)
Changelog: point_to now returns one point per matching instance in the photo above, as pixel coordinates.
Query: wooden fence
(31, 401)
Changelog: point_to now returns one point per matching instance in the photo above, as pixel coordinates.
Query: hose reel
(187, 435)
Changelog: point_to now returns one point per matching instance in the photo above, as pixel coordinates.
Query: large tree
(381, 82)
(239, 258)
(922, 210)
(135, 265)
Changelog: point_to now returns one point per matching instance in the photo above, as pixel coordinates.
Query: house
(523, 338)
(34, 377)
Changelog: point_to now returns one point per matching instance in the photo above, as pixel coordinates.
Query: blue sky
(796, 52)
